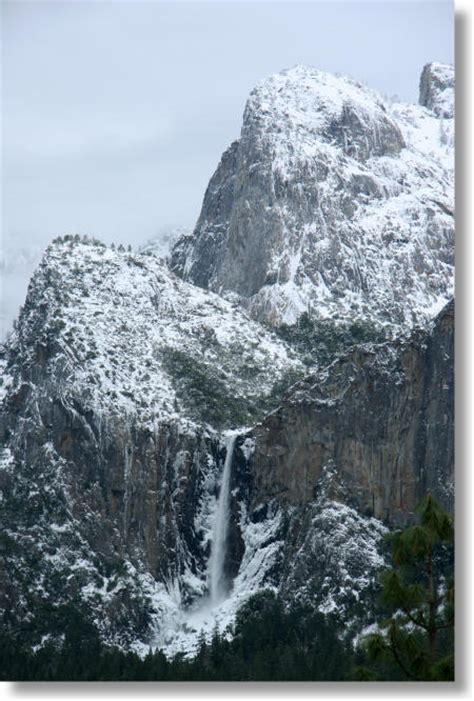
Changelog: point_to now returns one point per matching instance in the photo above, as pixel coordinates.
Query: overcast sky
(115, 114)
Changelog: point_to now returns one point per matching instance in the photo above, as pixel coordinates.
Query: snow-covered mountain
(165, 454)
(332, 202)
(114, 386)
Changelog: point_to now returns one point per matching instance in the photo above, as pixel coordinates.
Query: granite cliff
(127, 391)
(382, 416)
(332, 202)
(115, 383)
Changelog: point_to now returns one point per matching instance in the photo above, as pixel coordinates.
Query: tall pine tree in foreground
(416, 643)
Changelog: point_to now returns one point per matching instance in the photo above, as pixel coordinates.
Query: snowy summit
(332, 202)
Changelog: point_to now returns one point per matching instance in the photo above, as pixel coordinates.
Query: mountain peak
(304, 104)
(331, 203)
(303, 80)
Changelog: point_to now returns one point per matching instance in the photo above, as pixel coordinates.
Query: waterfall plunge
(205, 613)
(216, 576)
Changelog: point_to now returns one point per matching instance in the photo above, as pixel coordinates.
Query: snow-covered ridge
(294, 106)
(127, 332)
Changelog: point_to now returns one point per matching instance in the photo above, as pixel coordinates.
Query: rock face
(109, 462)
(437, 89)
(109, 491)
(121, 381)
(350, 452)
(382, 416)
(330, 202)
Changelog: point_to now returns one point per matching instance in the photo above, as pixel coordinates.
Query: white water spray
(216, 576)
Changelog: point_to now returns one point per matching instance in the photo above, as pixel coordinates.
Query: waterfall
(216, 577)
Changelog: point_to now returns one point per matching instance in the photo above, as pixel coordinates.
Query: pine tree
(417, 642)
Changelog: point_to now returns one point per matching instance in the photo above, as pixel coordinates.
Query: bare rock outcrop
(382, 415)
(437, 89)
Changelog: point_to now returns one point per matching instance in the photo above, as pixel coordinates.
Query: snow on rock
(116, 380)
(338, 556)
(333, 203)
(437, 89)
(120, 378)
(180, 628)
(324, 554)
(134, 340)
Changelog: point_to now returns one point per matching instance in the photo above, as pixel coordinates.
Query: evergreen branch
(417, 622)
(445, 625)
(398, 659)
